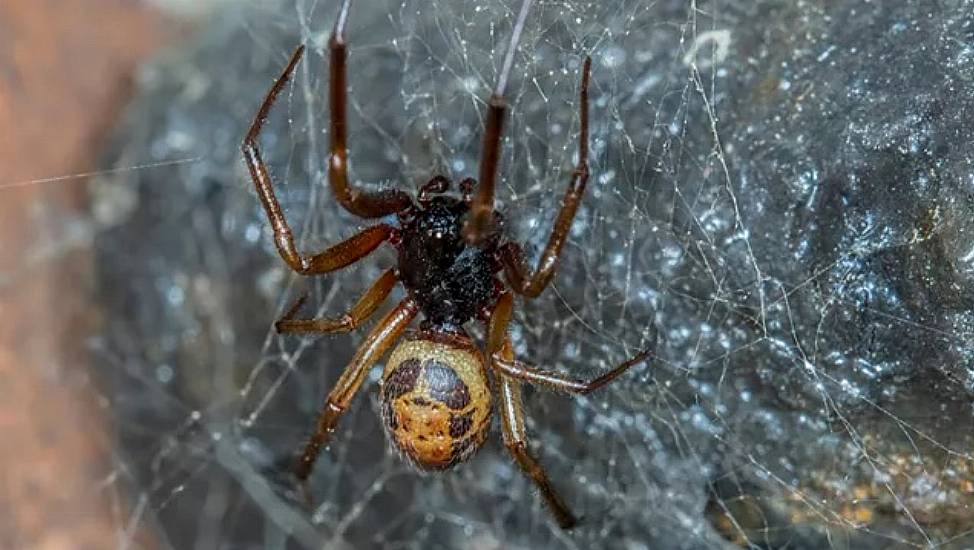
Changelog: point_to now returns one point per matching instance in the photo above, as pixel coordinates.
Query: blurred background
(781, 208)
(66, 74)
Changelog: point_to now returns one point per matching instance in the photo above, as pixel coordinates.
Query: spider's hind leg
(512, 413)
(516, 441)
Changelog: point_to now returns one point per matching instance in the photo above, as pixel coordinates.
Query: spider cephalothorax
(451, 280)
(436, 398)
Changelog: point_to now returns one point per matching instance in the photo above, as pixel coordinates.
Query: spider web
(779, 205)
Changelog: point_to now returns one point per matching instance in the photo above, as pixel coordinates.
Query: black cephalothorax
(451, 280)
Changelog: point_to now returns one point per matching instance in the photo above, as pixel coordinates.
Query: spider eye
(436, 402)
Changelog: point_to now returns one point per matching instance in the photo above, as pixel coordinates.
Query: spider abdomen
(436, 402)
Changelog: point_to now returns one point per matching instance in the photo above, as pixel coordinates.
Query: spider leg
(261, 177)
(512, 414)
(477, 227)
(557, 381)
(348, 251)
(512, 257)
(382, 336)
(362, 310)
(336, 257)
(361, 203)
(516, 441)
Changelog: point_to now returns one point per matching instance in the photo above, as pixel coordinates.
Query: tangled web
(780, 197)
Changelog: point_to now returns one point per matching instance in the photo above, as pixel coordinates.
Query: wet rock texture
(781, 203)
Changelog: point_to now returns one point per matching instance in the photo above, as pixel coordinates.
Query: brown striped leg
(336, 257)
(361, 203)
(382, 336)
(512, 414)
(362, 310)
(531, 284)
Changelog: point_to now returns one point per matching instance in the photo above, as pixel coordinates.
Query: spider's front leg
(336, 257)
(361, 203)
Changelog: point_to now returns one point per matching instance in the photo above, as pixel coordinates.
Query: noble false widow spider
(436, 397)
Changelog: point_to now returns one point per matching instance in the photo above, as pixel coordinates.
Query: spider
(436, 400)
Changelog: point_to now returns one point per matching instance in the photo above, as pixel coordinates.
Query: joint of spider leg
(497, 101)
(304, 266)
(336, 161)
(336, 42)
(581, 172)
